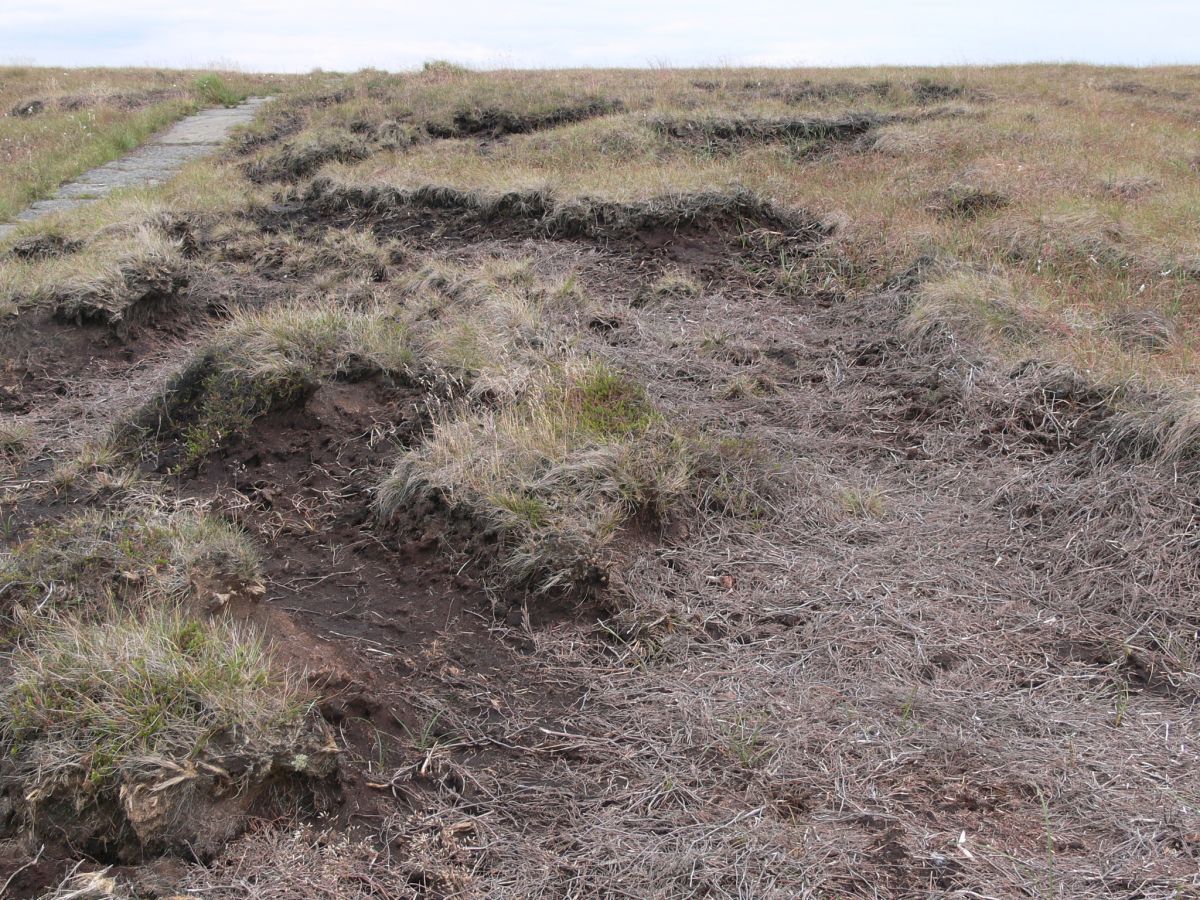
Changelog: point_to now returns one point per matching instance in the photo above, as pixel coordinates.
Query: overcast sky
(298, 35)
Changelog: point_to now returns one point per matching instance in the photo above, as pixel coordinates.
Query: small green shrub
(607, 404)
(212, 90)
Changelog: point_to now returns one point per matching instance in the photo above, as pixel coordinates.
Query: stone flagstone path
(152, 163)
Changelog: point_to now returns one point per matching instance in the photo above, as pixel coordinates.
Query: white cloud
(296, 35)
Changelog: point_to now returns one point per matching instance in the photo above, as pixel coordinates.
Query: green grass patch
(211, 90)
(607, 404)
(145, 553)
(86, 701)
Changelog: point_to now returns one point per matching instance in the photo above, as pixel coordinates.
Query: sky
(343, 35)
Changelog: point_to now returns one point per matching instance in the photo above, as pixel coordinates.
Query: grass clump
(17, 442)
(739, 478)
(144, 553)
(118, 282)
(489, 334)
(608, 404)
(442, 68)
(131, 714)
(1151, 330)
(735, 212)
(966, 201)
(803, 135)
(863, 502)
(496, 121)
(44, 245)
(90, 701)
(1162, 428)
(302, 156)
(267, 360)
(975, 305)
(1062, 243)
(671, 285)
(210, 89)
(149, 732)
(121, 273)
(336, 250)
(557, 474)
(453, 334)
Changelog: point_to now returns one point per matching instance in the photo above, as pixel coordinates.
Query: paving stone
(152, 163)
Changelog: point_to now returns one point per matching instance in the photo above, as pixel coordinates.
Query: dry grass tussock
(557, 474)
(264, 361)
(123, 258)
(90, 704)
(333, 253)
(553, 449)
(544, 213)
(143, 553)
(113, 279)
(452, 333)
(978, 306)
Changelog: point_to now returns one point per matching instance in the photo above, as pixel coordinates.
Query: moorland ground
(731, 483)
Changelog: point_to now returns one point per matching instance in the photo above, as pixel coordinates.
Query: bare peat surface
(152, 163)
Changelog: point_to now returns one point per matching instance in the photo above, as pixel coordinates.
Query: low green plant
(747, 739)
(606, 404)
(211, 90)
(863, 502)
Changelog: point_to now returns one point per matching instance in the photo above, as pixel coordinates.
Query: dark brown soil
(494, 122)
(381, 620)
